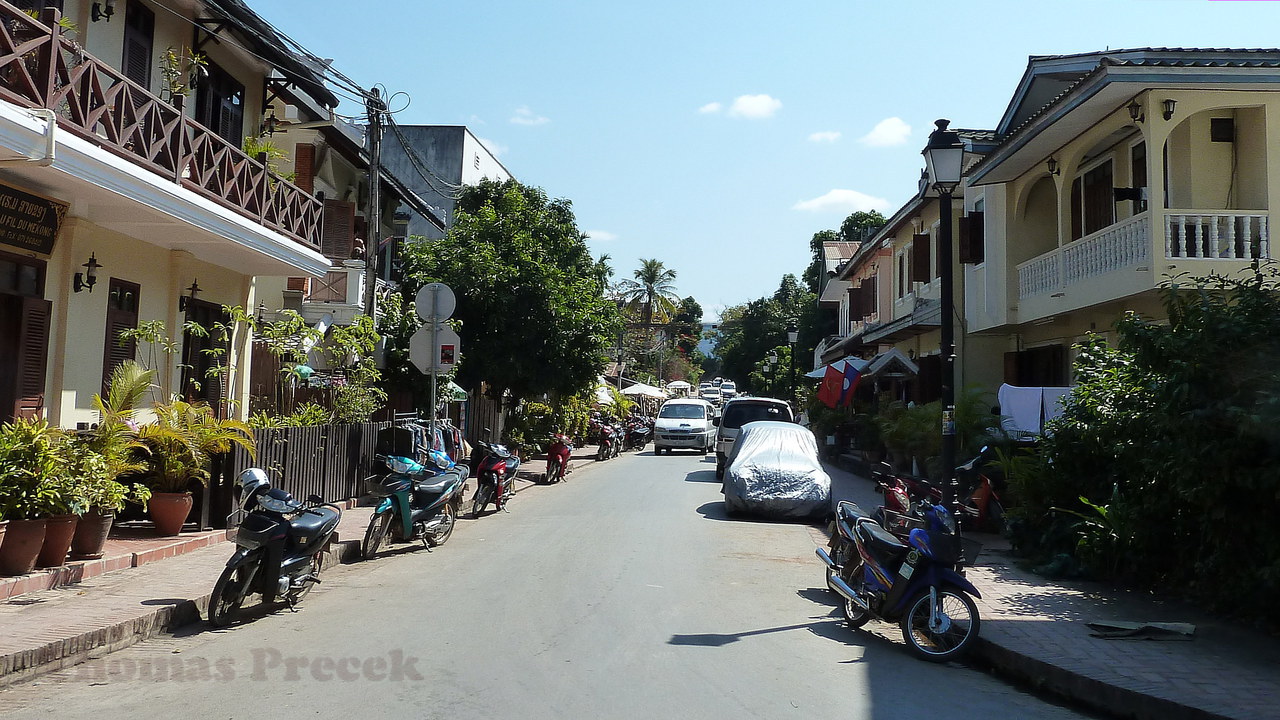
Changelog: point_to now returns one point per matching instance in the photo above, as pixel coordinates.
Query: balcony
(41, 68)
(1124, 245)
(1240, 235)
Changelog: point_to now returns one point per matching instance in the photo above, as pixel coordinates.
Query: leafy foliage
(533, 316)
(183, 440)
(1176, 433)
(747, 333)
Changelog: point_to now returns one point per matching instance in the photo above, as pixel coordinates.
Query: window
(902, 275)
(1093, 204)
(122, 314)
(220, 105)
(684, 412)
(139, 31)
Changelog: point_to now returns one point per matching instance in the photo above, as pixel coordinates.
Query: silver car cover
(774, 471)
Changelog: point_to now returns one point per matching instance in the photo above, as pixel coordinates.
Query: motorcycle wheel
(228, 596)
(602, 454)
(441, 536)
(376, 535)
(483, 496)
(960, 625)
(854, 616)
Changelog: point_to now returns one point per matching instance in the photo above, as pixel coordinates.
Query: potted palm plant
(115, 441)
(182, 442)
(29, 459)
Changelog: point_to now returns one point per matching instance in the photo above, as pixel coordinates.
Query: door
(122, 314)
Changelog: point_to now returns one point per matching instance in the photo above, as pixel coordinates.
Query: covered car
(774, 471)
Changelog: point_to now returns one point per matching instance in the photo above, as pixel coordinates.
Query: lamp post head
(943, 158)
(793, 333)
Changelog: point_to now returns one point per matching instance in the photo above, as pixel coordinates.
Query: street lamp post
(793, 335)
(770, 364)
(944, 160)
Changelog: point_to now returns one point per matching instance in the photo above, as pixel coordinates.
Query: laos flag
(848, 382)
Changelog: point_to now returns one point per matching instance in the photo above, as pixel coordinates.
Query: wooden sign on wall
(29, 222)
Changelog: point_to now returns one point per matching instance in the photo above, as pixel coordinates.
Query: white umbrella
(644, 390)
(678, 385)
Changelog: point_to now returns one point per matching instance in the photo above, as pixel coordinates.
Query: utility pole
(374, 108)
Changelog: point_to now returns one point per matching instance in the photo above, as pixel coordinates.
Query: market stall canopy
(644, 390)
(888, 363)
(678, 385)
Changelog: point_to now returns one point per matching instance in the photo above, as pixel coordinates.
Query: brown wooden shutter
(304, 167)
(122, 314)
(338, 236)
(920, 258)
(139, 31)
(297, 283)
(971, 241)
(33, 357)
(869, 299)
(855, 304)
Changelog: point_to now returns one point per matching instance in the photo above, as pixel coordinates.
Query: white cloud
(887, 133)
(826, 136)
(525, 116)
(843, 200)
(600, 235)
(497, 149)
(711, 107)
(754, 106)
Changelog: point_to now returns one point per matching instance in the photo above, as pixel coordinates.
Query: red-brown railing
(40, 68)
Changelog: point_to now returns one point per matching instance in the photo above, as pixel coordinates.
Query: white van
(684, 423)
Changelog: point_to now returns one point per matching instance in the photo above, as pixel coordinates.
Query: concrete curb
(1045, 678)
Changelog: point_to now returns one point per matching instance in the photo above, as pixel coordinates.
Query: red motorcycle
(557, 458)
(495, 477)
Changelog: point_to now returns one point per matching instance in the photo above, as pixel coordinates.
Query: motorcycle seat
(434, 485)
(850, 511)
(880, 542)
(314, 522)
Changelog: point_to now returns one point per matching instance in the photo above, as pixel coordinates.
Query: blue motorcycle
(919, 584)
(417, 502)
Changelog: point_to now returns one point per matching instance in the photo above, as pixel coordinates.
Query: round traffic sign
(435, 302)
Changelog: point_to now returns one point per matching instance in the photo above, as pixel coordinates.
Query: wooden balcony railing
(40, 68)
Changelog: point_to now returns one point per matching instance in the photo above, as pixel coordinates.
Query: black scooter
(280, 547)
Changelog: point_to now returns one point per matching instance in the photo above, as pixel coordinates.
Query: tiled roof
(839, 250)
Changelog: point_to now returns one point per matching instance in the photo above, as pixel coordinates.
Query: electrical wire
(424, 171)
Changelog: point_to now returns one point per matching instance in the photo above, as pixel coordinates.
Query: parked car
(710, 394)
(738, 412)
(774, 472)
(684, 423)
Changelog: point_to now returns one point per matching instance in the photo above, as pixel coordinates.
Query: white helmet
(253, 481)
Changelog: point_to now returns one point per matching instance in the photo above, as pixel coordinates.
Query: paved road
(624, 593)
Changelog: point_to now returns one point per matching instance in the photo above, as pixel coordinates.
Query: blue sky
(719, 136)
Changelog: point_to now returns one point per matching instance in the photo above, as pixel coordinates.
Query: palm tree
(653, 292)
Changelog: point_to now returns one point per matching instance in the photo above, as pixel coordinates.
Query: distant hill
(706, 347)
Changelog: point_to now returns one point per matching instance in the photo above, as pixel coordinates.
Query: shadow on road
(828, 627)
(702, 476)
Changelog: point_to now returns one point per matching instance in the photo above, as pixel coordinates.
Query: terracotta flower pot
(91, 535)
(22, 543)
(169, 511)
(58, 531)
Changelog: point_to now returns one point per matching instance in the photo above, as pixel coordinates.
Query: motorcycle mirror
(315, 499)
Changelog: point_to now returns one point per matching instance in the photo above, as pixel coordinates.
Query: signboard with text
(29, 222)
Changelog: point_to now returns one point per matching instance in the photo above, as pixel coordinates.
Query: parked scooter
(914, 584)
(417, 502)
(558, 453)
(280, 546)
(982, 506)
(495, 477)
(638, 433)
(608, 440)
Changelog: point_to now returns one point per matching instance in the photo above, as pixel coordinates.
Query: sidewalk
(1034, 632)
(141, 587)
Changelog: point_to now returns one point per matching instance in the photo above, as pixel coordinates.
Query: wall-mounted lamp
(1169, 104)
(87, 279)
(1135, 111)
(1052, 164)
(184, 301)
(102, 11)
(269, 125)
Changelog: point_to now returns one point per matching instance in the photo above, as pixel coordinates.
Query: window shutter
(972, 243)
(1010, 372)
(869, 300)
(139, 33)
(338, 236)
(1077, 211)
(33, 357)
(122, 314)
(304, 167)
(297, 283)
(920, 258)
(855, 304)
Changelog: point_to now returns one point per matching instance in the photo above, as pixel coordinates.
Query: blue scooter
(418, 503)
(918, 584)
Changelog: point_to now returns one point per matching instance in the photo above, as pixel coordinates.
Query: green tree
(532, 314)
(746, 333)
(652, 292)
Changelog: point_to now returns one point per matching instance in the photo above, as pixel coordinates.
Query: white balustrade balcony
(1121, 246)
(1239, 235)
